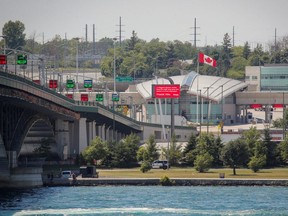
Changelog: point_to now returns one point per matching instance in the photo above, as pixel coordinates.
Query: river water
(145, 200)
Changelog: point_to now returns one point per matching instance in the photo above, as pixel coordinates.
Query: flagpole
(197, 109)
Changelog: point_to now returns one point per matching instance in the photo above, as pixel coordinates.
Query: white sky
(253, 20)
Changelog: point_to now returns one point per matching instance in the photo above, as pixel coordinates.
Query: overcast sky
(254, 21)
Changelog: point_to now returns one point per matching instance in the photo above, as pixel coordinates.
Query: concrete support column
(82, 134)
(103, 132)
(90, 131)
(100, 131)
(109, 133)
(12, 159)
(238, 114)
(94, 132)
(62, 137)
(73, 145)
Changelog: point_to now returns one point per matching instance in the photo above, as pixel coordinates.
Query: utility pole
(195, 33)
(94, 45)
(275, 45)
(86, 33)
(120, 31)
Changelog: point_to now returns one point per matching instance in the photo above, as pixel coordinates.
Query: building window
(247, 77)
(254, 78)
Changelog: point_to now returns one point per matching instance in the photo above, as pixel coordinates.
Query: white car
(66, 174)
(160, 164)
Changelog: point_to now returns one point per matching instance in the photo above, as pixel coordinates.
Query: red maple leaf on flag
(208, 60)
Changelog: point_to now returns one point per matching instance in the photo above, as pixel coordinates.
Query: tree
(251, 137)
(258, 161)
(226, 54)
(147, 154)
(45, 148)
(174, 151)
(126, 151)
(14, 31)
(203, 162)
(271, 154)
(280, 122)
(206, 143)
(284, 149)
(246, 50)
(131, 43)
(96, 151)
(189, 154)
(235, 153)
(258, 57)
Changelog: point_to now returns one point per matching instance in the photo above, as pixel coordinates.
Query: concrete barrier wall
(180, 182)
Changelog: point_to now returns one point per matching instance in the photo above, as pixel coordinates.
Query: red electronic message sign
(277, 105)
(84, 97)
(255, 106)
(166, 91)
(53, 84)
(69, 96)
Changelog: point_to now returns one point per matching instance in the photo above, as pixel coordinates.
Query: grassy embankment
(273, 173)
(276, 173)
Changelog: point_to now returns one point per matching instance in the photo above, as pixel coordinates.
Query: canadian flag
(207, 60)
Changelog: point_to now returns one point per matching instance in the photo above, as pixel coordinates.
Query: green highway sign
(87, 83)
(99, 97)
(70, 84)
(22, 59)
(115, 97)
(124, 79)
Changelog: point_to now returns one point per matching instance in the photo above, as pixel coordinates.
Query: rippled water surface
(143, 200)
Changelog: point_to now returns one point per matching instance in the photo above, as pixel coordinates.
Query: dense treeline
(140, 59)
(253, 149)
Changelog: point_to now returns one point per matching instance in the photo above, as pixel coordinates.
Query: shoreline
(173, 182)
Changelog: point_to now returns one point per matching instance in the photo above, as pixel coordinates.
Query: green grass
(273, 173)
(277, 173)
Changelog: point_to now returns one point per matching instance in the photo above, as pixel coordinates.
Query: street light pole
(208, 107)
(77, 70)
(114, 64)
(200, 117)
(114, 89)
(222, 104)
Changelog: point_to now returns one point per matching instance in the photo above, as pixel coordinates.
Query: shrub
(166, 181)
(256, 163)
(145, 167)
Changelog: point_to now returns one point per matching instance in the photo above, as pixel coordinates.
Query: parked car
(66, 174)
(160, 164)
